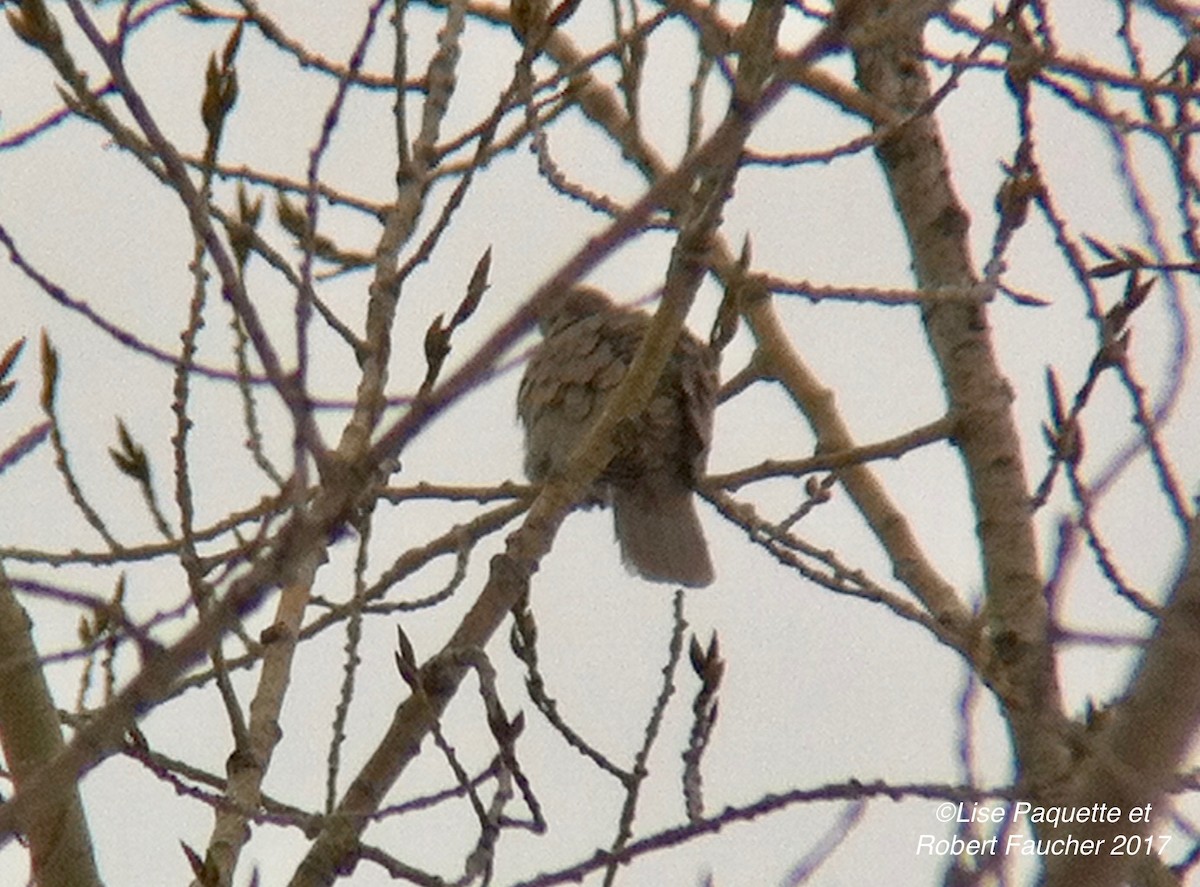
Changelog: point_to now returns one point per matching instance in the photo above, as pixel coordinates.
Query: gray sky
(819, 688)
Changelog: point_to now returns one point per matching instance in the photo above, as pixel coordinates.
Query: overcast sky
(820, 688)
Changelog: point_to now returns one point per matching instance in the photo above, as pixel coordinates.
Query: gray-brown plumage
(588, 344)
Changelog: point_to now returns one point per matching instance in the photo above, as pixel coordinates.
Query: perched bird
(588, 344)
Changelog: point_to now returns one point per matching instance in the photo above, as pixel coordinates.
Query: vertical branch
(341, 712)
(639, 772)
(304, 439)
(886, 40)
(248, 765)
(413, 174)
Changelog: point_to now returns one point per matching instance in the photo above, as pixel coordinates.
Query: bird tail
(660, 534)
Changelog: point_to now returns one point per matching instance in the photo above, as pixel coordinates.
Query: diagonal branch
(911, 564)
(31, 735)
(1133, 762)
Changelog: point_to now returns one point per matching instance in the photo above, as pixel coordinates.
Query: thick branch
(1133, 761)
(31, 735)
(886, 38)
